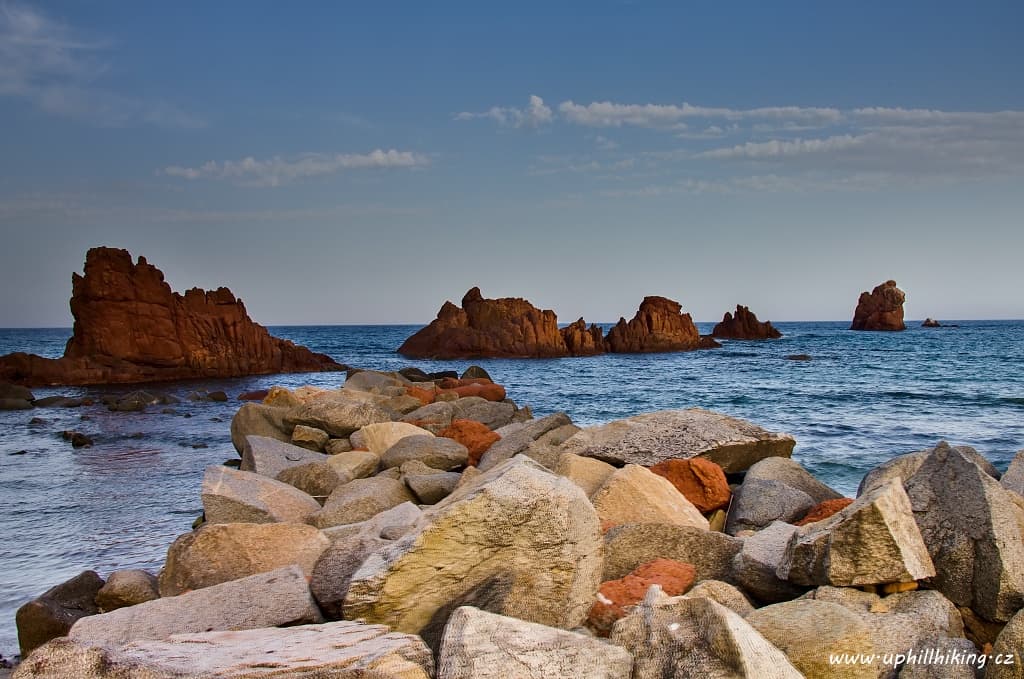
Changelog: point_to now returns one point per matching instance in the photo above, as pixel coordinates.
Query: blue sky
(346, 163)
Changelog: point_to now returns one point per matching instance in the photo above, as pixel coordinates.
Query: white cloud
(777, 148)
(277, 171)
(672, 116)
(50, 65)
(537, 113)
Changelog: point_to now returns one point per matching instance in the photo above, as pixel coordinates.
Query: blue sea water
(863, 398)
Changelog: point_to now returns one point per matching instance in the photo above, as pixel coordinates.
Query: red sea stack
(581, 340)
(131, 327)
(744, 326)
(881, 309)
(659, 325)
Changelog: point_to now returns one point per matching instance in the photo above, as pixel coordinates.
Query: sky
(363, 162)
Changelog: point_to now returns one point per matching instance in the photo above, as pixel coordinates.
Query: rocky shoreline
(415, 525)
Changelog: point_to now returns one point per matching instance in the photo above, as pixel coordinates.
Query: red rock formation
(616, 597)
(509, 327)
(744, 326)
(658, 325)
(701, 481)
(130, 327)
(581, 340)
(474, 435)
(882, 309)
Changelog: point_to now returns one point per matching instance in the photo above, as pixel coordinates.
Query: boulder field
(401, 528)
(131, 327)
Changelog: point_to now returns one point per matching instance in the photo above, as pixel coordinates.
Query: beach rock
(903, 467)
(256, 419)
(310, 437)
(658, 325)
(350, 545)
(231, 496)
(972, 528)
(476, 389)
(634, 494)
(130, 327)
(509, 327)
(516, 541)
(744, 326)
(755, 566)
(223, 552)
(809, 631)
(823, 510)
(432, 488)
(791, 473)
(269, 457)
(61, 402)
(315, 479)
(277, 597)
(760, 501)
(14, 404)
(339, 413)
(696, 637)
(375, 382)
(931, 323)
(437, 452)
(1009, 642)
(492, 414)
(282, 397)
(724, 594)
(628, 546)
(517, 442)
(476, 437)
(875, 540)
(581, 340)
(881, 309)
(475, 372)
(1013, 479)
(378, 438)
(586, 472)
(615, 598)
(701, 481)
(357, 464)
(336, 446)
(650, 438)
(482, 645)
(127, 588)
(52, 614)
(925, 664)
(361, 499)
(255, 395)
(338, 649)
(434, 417)
(15, 392)
(77, 439)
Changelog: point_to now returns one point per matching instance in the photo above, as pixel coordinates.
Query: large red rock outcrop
(881, 309)
(131, 327)
(659, 325)
(581, 340)
(744, 326)
(507, 327)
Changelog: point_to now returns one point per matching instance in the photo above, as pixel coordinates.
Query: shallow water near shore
(861, 399)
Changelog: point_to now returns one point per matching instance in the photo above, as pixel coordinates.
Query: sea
(862, 398)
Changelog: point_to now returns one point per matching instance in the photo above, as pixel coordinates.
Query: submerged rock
(52, 614)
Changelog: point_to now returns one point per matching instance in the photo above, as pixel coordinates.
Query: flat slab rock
(337, 649)
(648, 439)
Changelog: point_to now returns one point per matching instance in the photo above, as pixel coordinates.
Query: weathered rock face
(634, 494)
(346, 650)
(506, 327)
(231, 496)
(701, 481)
(650, 438)
(482, 645)
(616, 598)
(516, 540)
(631, 545)
(53, 613)
(744, 326)
(130, 327)
(881, 309)
(659, 325)
(581, 340)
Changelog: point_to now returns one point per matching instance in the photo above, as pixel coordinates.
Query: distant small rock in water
(798, 357)
(880, 309)
(745, 326)
(931, 323)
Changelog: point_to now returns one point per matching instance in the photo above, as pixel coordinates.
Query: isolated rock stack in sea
(130, 327)
(881, 309)
(511, 327)
(745, 326)
(409, 525)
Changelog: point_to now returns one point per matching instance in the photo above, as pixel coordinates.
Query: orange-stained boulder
(823, 510)
(616, 597)
(659, 325)
(425, 396)
(581, 340)
(472, 434)
(745, 326)
(881, 309)
(131, 327)
(702, 482)
(508, 327)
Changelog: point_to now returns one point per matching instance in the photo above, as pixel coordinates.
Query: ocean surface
(863, 398)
